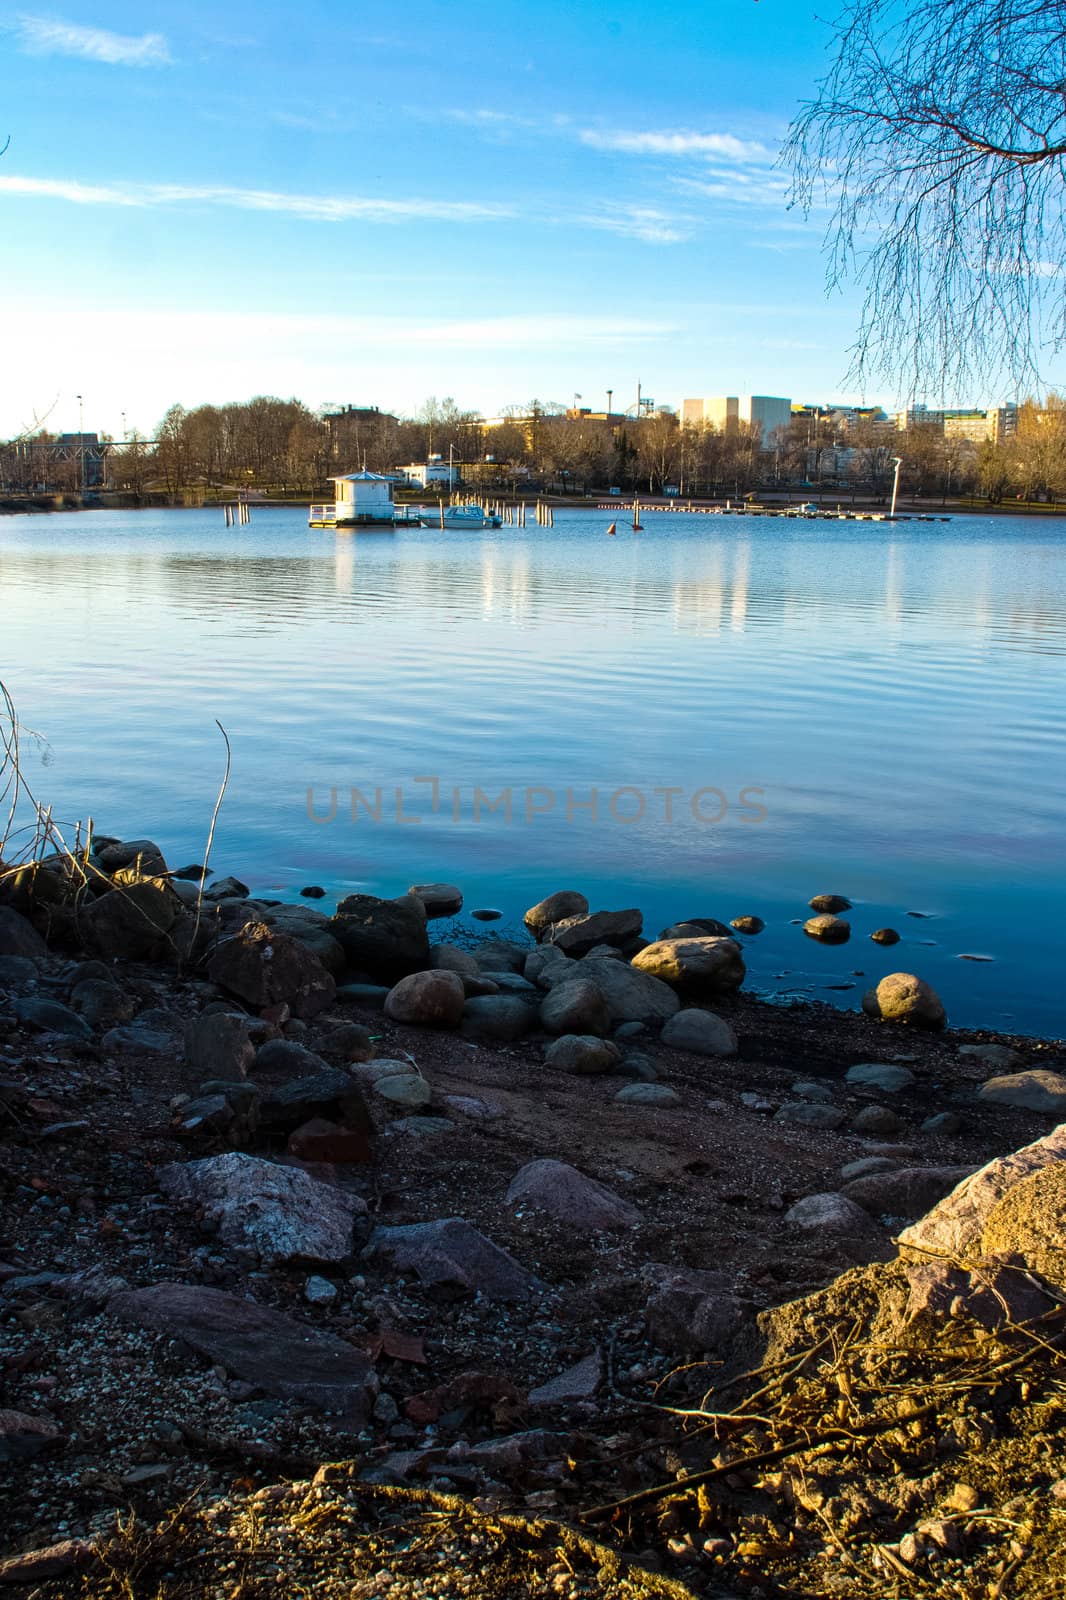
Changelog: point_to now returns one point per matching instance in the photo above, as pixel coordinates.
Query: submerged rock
(828, 929)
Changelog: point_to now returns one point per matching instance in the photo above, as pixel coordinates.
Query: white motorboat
(458, 517)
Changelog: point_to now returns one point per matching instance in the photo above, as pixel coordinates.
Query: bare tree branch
(938, 141)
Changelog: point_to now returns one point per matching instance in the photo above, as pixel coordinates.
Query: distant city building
(999, 422)
(354, 428)
(435, 470)
(967, 422)
(764, 411)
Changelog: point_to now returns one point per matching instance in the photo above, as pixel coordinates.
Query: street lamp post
(895, 484)
(81, 441)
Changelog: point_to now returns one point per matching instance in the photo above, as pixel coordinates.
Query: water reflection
(898, 693)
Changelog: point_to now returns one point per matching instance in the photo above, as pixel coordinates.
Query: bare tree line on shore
(272, 446)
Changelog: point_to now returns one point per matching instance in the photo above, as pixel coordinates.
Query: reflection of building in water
(717, 598)
(738, 606)
(506, 583)
(894, 581)
(343, 564)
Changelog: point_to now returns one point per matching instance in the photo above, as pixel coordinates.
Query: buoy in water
(613, 528)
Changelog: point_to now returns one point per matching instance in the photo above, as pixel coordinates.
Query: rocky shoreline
(283, 1189)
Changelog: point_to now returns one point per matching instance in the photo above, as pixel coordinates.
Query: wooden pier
(793, 513)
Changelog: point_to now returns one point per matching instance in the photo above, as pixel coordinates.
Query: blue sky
(376, 203)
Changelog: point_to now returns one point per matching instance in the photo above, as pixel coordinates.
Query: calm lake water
(789, 708)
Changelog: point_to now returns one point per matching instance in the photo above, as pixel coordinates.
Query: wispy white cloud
(679, 142)
(647, 223)
(48, 36)
(742, 187)
(308, 207)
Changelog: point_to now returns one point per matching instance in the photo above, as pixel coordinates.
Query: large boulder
(386, 939)
(955, 1227)
(583, 1204)
(48, 1016)
(909, 1192)
(217, 1046)
(450, 1254)
(705, 965)
(501, 955)
(312, 929)
(334, 1096)
(1037, 1089)
(701, 1033)
(282, 1213)
(557, 907)
(427, 999)
(901, 997)
(18, 937)
(690, 1311)
(265, 968)
(439, 899)
(1030, 1222)
(448, 958)
(546, 966)
(273, 1351)
(131, 921)
(576, 1006)
(631, 995)
(577, 935)
(497, 1018)
(143, 855)
(697, 928)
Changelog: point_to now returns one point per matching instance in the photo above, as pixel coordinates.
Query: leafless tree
(938, 141)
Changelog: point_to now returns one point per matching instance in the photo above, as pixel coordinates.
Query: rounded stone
(830, 1213)
(885, 936)
(886, 1076)
(313, 891)
(748, 924)
(486, 914)
(878, 1120)
(700, 965)
(576, 1006)
(555, 908)
(827, 929)
(439, 899)
(581, 1054)
(700, 1033)
(942, 1122)
(407, 1089)
(831, 903)
(427, 999)
(647, 1094)
(901, 997)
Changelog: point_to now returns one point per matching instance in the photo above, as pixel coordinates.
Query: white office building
(763, 411)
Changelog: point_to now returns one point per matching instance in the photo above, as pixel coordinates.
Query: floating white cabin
(362, 499)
